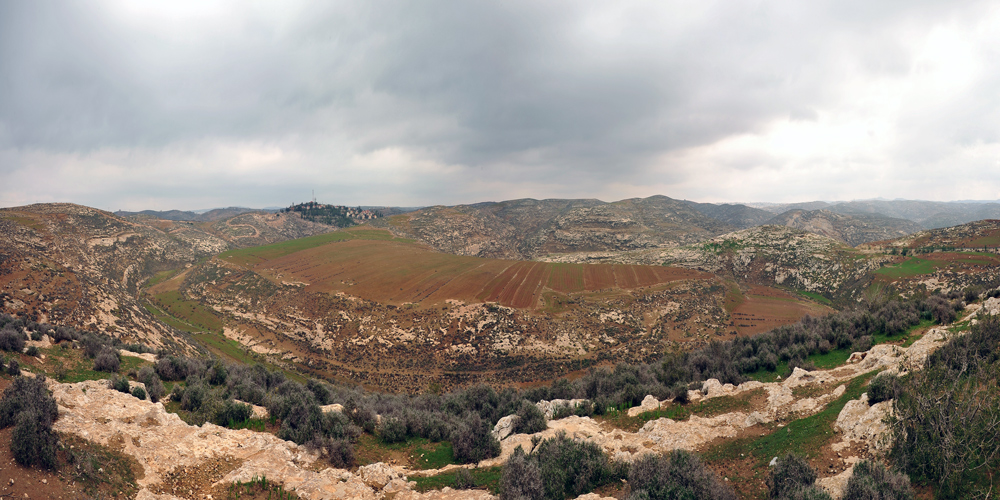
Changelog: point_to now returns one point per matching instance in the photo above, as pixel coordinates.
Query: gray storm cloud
(188, 105)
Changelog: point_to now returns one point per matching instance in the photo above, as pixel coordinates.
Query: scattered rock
(504, 427)
(649, 403)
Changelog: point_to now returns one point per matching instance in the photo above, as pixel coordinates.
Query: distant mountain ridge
(184, 215)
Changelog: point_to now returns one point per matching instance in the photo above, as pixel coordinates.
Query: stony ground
(177, 460)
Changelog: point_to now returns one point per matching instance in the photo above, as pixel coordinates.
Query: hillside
(357, 305)
(851, 229)
(181, 215)
(74, 265)
(525, 229)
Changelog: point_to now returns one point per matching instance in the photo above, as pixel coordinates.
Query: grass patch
(26, 222)
(815, 297)
(421, 453)
(805, 436)
(734, 297)
(434, 455)
(256, 255)
(196, 316)
(485, 478)
(160, 277)
(914, 266)
(102, 472)
(71, 366)
(708, 408)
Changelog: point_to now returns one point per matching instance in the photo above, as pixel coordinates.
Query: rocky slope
(74, 265)
(524, 229)
(769, 255)
(406, 348)
(850, 229)
(182, 461)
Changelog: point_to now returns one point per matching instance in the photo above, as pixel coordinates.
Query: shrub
(194, 395)
(680, 393)
(217, 374)
(872, 481)
(472, 440)
(26, 395)
(33, 442)
(464, 480)
(521, 478)
(302, 423)
(790, 474)
(529, 419)
(139, 392)
(883, 388)
(11, 340)
(154, 386)
(119, 384)
(232, 412)
(340, 452)
(571, 468)
(177, 393)
(319, 390)
(32, 351)
(93, 345)
(36, 336)
(392, 430)
(13, 367)
(944, 427)
(676, 475)
(107, 361)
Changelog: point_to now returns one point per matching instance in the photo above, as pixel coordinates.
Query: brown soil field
(964, 259)
(765, 308)
(397, 272)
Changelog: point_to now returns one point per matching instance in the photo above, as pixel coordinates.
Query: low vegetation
(946, 425)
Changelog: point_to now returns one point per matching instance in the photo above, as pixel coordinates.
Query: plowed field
(765, 308)
(398, 272)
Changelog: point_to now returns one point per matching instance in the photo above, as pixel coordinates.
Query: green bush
(883, 388)
(32, 351)
(464, 480)
(392, 430)
(677, 475)
(27, 395)
(119, 384)
(564, 468)
(107, 361)
(944, 424)
(472, 440)
(13, 367)
(33, 442)
(154, 386)
(231, 412)
(139, 392)
(27, 405)
(529, 419)
(872, 481)
(521, 478)
(790, 474)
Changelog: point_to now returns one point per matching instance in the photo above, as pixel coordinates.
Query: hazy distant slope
(739, 216)
(181, 215)
(853, 229)
(929, 214)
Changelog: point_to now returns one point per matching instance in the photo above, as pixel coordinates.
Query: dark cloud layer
(428, 102)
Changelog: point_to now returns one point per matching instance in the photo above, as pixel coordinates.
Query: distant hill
(183, 215)
(525, 229)
(928, 214)
(853, 229)
(740, 216)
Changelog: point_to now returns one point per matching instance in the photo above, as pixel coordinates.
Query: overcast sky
(190, 105)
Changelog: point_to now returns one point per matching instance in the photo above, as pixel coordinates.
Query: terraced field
(765, 308)
(371, 264)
